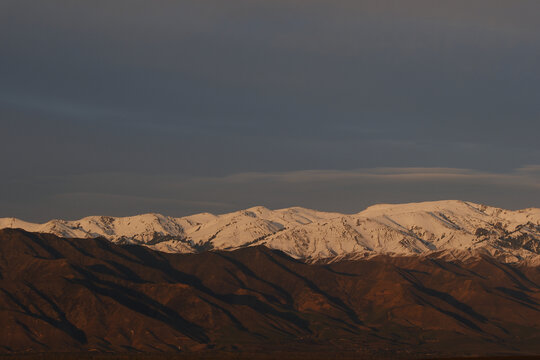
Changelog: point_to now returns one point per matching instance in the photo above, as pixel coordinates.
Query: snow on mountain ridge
(415, 228)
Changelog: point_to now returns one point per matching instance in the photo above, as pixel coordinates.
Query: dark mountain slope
(68, 295)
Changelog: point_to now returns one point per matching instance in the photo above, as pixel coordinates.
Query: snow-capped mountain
(417, 228)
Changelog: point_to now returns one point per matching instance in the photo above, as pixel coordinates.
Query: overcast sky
(127, 106)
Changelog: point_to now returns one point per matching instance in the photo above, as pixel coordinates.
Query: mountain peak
(413, 228)
(452, 205)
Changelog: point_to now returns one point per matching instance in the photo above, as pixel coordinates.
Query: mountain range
(447, 228)
(85, 298)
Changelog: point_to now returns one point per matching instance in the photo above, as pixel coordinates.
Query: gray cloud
(344, 190)
(156, 91)
(523, 176)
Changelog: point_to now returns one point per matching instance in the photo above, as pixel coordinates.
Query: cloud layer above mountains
(72, 197)
(134, 106)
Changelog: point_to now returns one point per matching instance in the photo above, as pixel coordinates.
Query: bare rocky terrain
(89, 295)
